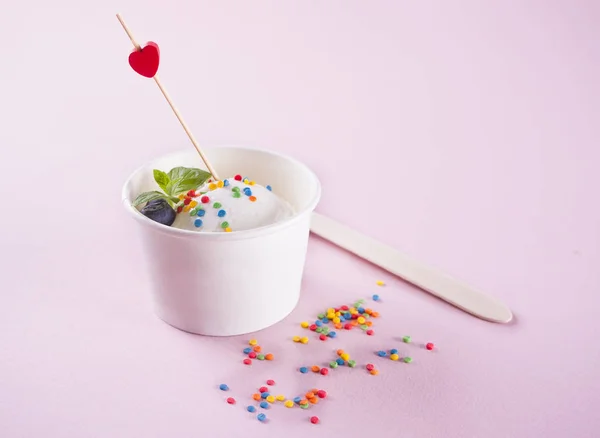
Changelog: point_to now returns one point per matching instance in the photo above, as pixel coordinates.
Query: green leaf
(150, 196)
(184, 179)
(162, 179)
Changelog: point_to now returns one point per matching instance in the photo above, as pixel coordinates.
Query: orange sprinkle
(303, 401)
(252, 198)
(368, 323)
(354, 322)
(314, 400)
(375, 314)
(340, 352)
(256, 397)
(368, 311)
(257, 348)
(309, 395)
(314, 391)
(338, 326)
(315, 369)
(269, 356)
(374, 372)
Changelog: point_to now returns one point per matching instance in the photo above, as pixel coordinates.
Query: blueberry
(159, 211)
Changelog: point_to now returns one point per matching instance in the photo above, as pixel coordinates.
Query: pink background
(464, 133)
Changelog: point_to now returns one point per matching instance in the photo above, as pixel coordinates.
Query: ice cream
(234, 204)
(190, 200)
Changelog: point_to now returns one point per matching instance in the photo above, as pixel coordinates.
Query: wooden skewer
(170, 102)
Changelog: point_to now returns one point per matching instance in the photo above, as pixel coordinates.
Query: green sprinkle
(351, 363)
(406, 339)
(324, 330)
(224, 224)
(364, 327)
(236, 194)
(194, 211)
(321, 315)
(235, 189)
(333, 364)
(319, 329)
(305, 406)
(407, 359)
(217, 205)
(260, 356)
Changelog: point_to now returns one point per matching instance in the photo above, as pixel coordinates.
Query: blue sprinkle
(264, 405)
(247, 350)
(375, 297)
(332, 334)
(348, 315)
(318, 323)
(393, 351)
(221, 213)
(361, 310)
(342, 318)
(264, 395)
(325, 320)
(251, 409)
(223, 387)
(225, 184)
(269, 188)
(198, 222)
(201, 213)
(261, 417)
(247, 191)
(340, 361)
(297, 400)
(382, 353)
(303, 370)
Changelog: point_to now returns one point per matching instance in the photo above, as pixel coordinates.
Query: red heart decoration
(145, 61)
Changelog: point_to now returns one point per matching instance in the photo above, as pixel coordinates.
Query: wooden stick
(170, 102)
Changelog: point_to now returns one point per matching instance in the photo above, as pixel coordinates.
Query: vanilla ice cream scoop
(230, 205)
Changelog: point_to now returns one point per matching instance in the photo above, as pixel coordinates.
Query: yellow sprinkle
(394, 357)
(252, 342)
(296, 339)
(353, 311)
(335, 320)
(304, 340)
(212, 186)
(360, 320)
(330, 315)
(246, 181)
(220, 184)
(228, 230)
(288, 404)
(280, 397)
(193, 204)
(304, 324)
(182, 196)
(380, 283)
(251, 183)
(270, 399)
(338, 313)
(330, 310)
(187, 208)
(345, 356)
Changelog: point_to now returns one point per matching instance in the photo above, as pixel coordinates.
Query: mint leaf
(184, 179)
(162, 179)
(151, 196)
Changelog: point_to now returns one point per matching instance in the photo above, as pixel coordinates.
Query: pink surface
(476, 125)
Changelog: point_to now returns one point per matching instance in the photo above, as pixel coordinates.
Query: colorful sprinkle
(231, 400)
(380, 283)
(271, 399)
(256, 397)
(315, 369)
(288, 404)
(270, 382)
(333, 364)
(324, 371)
(198, 223)
(429, 346)
(394, 357)
(221, 213)
(381, 353)
(236, 194)
(263, 389)
(370, 367)
(224, 224)
(407, 359)
(303, 370)
(280, 397)
(252, 355)
(217, 205)
(351, 363)
(247, 350)
(297, 400)
(261, 417)
(375, 297)
(393, 351)
(223, 387)
(374, 372)
(226, 183)
(228, 230)
(269, 188)
(321, 393)
(251, 409)
(323, 337)
(296, 339)
(304, 324)
(264, 405)
(212, 186)
(237, 177)
(235, 189)
(264, 395)
(252, 198)
(179, 209)
(260, 356)
(201, 213)
(314, 420)
(269, 356)
(247, 191)
(370, 332)
(205, 199)
(247, 362)
(257, 348)
(406, 339)
(304, 340)
(340, 361)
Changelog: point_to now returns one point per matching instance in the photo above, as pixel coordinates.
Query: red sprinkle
(324, 371)
(263, 389)
(370, 332)
(348, 326)
(270, 382)
(179, 209)
(314, 420)
(321, 393)
(231, 400)
(237, 177)
(355, 316)
(323, 337)
(344, 308)
(247, 362)
(313, 327)
(187, 201)
(429, 346)
(252, 355)
(205, 199)
(191, 193)
(370, 366)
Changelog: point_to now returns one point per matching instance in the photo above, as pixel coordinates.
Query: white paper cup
(224, 284)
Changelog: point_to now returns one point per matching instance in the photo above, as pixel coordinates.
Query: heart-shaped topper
(145, 61)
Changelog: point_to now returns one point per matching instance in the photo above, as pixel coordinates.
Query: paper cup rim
(234, 235)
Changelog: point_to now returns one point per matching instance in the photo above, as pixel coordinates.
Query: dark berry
(159, 211)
